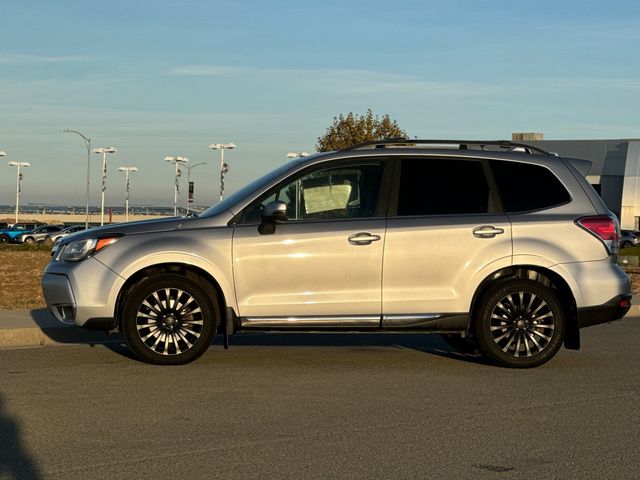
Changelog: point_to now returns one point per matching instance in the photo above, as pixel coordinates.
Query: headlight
(81, 249)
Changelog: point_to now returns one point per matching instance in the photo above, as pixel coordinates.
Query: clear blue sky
(157, 78)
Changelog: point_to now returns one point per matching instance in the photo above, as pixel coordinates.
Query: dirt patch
(634, 275)
(20, 275)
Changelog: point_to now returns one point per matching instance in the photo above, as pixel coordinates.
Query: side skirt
(455, 322)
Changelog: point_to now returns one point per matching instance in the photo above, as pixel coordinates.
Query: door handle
(487, 231)
(363, 238)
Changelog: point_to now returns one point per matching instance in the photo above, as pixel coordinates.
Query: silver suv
(498, 246)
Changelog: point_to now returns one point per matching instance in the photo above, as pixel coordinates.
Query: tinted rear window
(524, 187)
(433, 186)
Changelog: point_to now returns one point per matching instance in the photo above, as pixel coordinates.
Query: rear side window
(440, 186)
(524, 187)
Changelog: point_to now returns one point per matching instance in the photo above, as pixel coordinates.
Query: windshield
(231, 200)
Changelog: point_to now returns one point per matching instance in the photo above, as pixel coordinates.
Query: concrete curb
(34, 337)
(33, 328)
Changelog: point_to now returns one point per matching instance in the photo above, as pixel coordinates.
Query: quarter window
(525, 187)
(440, 186)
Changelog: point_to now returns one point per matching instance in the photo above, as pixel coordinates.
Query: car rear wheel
(169, 320)
(520, 324)
(4, 239)
(626, 244)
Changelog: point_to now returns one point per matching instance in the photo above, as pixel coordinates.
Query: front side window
(442, 186)
(331, 193)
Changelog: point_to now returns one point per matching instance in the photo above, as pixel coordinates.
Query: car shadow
(60, 333)
(420, 342)
(15, 460)
(428, 343)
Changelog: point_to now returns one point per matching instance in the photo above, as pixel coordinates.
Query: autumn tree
(350, 130)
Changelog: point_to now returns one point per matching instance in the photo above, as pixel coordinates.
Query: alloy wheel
(522, 324)
(169, 321)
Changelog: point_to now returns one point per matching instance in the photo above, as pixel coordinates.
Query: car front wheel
(169, 319)
(520, 324)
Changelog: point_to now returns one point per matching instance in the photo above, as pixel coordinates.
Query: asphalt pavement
(322, 406)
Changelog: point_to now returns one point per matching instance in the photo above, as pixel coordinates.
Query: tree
(353, 129)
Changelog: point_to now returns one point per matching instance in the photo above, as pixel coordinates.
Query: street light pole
(104, 151)
(177, 161)
(126, 198)
(87, 143)
(189, 167)
(18, 178)
(224, 168)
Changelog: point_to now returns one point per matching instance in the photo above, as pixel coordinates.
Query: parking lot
(322, 406)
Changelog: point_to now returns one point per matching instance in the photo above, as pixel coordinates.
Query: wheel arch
(201, 276)
(544, 276)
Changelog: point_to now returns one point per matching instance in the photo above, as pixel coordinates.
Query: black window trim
(383, 194)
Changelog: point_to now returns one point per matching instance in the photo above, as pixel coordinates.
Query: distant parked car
(53, 237)
(8, 235)
(628, 239)
(38, 234)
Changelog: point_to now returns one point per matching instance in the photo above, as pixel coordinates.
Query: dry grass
(20, 274)
(634, 275)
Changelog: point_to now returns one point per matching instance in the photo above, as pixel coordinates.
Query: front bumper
(59, 297)
(614, 309)
(82, 294)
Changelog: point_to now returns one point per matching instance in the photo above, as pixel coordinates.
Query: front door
(326, 259)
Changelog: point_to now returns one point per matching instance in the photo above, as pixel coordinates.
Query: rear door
(445, 233)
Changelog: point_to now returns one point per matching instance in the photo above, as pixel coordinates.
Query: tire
(169, 319)
(4, 239)
(520, 324)
(461, 344)
(626, 244)
(29, 240)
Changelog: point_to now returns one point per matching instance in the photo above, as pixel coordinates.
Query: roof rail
(462, 144)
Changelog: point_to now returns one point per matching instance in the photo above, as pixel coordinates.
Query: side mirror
(273, 212)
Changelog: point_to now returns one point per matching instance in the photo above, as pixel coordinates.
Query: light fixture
(126, 198)
(224, 168)
(104, 151)
(177, 160)
(18, 180)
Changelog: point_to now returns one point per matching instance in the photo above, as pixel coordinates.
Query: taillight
(605, 228)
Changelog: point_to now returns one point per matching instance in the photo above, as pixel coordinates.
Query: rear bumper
(614, 309)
